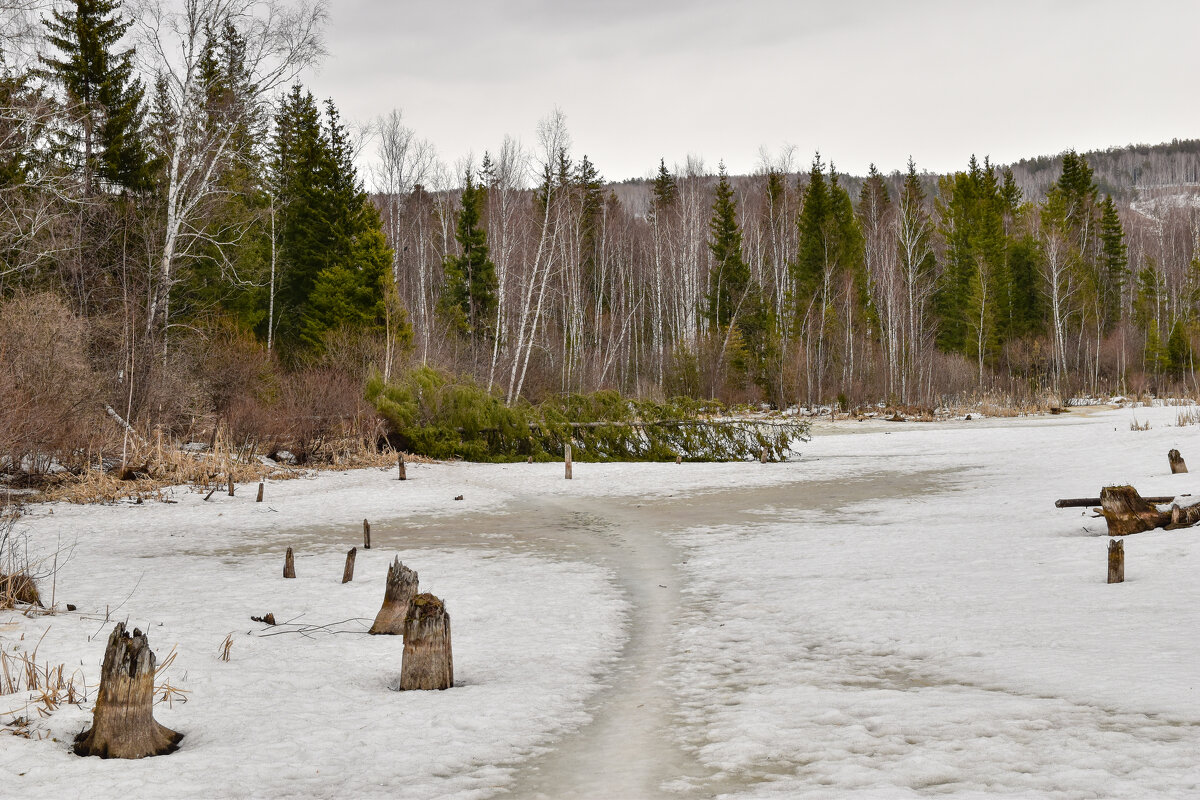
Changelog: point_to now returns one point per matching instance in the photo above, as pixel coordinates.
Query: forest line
(186, 237)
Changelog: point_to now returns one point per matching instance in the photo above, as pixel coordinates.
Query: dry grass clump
(1139, 426)
(46, 687)
(1189, 415)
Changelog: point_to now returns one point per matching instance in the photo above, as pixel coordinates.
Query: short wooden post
(428, 662)
(348, 572)
(762, 457)
(366, 535)
(1116, 561)
(403, 471)
(400, 590)
(123, 723)
(1176, 462)
(260, 493)
(231, 484)
(567, 460)
(289, 565)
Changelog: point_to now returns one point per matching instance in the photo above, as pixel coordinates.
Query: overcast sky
(860, 81)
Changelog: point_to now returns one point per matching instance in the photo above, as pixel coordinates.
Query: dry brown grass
(153, 465)
(1188, 415)
(46, 688)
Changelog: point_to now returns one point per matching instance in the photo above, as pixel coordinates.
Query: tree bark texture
(123, 723)
(427, 662)
(401, 589)
(1116, 561)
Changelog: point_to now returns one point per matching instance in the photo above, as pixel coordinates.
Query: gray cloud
(865, 81)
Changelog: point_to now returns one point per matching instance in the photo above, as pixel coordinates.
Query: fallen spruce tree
(437, 415)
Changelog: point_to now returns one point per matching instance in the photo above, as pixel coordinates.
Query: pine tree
(591, 202)
(664, 190)
(468, 300)
(334, 259)
(729, 277)
(809, 267)
(1114, 261)
(103, 96)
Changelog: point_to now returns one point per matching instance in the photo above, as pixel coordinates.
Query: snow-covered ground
(898, 612)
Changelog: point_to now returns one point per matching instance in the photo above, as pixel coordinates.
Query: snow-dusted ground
(898, 612)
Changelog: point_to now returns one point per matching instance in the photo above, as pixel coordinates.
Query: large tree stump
(401, 469)
(1116, 561)
(289, 565)
(1176, 462)
(348, 572)
(400, 590)
(123, 723)
(427, 661)
(567, 460)
(1128, 512)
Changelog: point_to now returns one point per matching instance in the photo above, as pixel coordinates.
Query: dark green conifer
(103, 96)
(468, 300)
(729, 277)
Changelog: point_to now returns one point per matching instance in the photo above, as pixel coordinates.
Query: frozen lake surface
(900, 612)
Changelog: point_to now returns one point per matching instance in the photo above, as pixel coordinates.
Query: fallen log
(1094, 502)
(1128, 512)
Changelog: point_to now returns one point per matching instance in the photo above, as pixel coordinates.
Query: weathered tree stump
(400, 468)
(567, 460)
(348, 572)
(1128, 512)
(123, 723)
(231, 484)
(18, 588)
(1116, 561)
(1176, 462)
(289, 565)
(366, 535)
(400, 590)
(427, 662)
(260, 493)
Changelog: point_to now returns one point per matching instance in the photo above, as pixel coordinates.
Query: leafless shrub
(53, 409)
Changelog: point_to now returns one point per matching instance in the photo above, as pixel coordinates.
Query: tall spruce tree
(103, 97)
(729, 278)
(334, 259)
(468, 300)
(664, 189)
(1114, 262)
